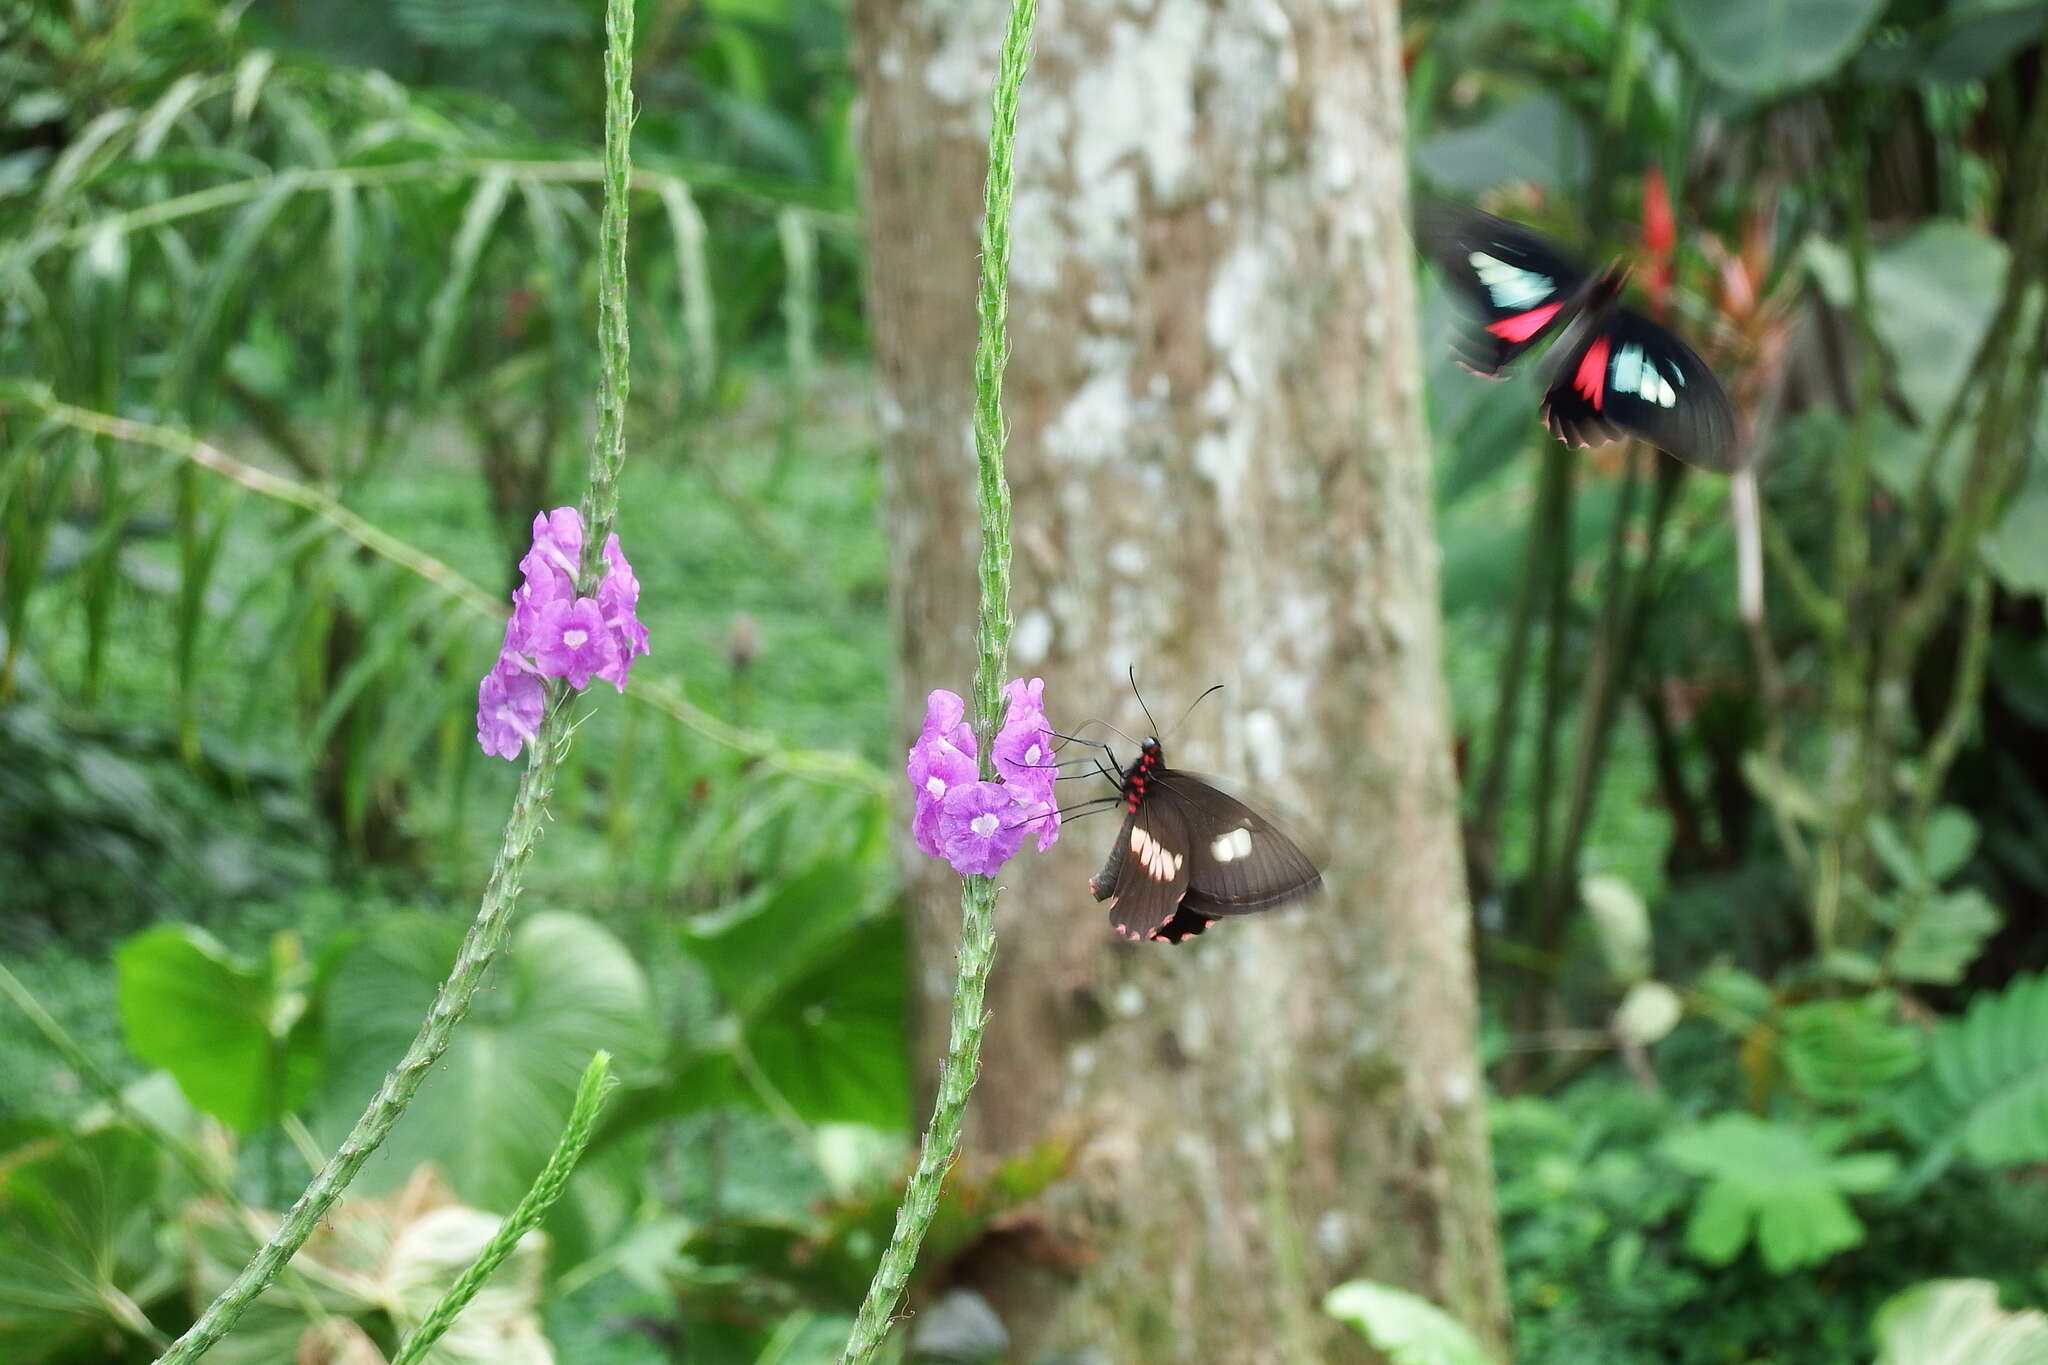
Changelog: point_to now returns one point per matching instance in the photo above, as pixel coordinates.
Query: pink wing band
(1522, 326)
(1591, 378)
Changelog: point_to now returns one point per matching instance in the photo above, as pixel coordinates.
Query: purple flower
(1024, 757)
(978, 833)
(944, 714)
(978, 828)
(936, 766)
(571, 641)
(618, 597)
(509, 703)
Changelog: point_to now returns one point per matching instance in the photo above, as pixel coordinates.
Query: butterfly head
(1607, 286)
(1137, 776)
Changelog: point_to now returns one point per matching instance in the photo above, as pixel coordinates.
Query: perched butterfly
(1188, 853)
(1614, 373)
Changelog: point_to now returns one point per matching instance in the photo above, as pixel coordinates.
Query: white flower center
(574, 638)
(935, 784)
(1031, 757)
(983, 825)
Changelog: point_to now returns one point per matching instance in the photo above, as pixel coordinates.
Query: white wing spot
(1161, 864)
(1510, 285)
(1228, 848)
(1633, 372)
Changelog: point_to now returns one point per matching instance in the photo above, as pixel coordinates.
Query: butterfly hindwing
(1239, 862)
(1514, 284)
(1629, 376)
(1147, 872)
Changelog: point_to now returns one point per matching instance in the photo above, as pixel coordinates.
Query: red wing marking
(1522, 326)
(1591, 378)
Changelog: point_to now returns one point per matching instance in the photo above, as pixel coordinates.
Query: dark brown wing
(1147, 872)
(1239, 862)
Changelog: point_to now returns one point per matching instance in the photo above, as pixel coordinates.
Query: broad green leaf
(1767, 47)
(1948, 841)
(1934, 292)
(1537, 138)
(1944, 937)
(78, 1254)
(1957, 1322)
(237, 1036)
(1840, 1051)
(1407, 1327)
(1776, 1183)
(491, 1110)
(2016, 549)
(813, 978)
(1984, 1091)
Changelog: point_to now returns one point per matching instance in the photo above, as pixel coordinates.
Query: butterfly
(1614, 373)
(1188, 853)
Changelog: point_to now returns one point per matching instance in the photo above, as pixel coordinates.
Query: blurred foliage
(294, 308)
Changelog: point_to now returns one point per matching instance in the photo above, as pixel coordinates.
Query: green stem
(1483, 840)
(529, 803)
(591, 1093)
(1559, 461)
(992, 646)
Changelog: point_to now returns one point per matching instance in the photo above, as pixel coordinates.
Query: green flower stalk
(992, 647)
(529, 804)
(591, 1093)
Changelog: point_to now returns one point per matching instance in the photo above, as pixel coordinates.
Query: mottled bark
(1220, 475)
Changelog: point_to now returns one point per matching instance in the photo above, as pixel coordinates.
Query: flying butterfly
(1189, 854)
(1613, 373)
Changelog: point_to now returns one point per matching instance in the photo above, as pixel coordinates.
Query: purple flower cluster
(554, 633)
(974, 825)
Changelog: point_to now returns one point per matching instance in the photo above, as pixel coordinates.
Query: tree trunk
(1220, 475)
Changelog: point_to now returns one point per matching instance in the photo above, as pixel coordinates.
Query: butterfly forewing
(1629, 376)
(1239, 861)
(1517, 287)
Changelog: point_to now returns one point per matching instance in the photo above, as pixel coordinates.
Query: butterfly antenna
(1193, 704)
(1141, 700)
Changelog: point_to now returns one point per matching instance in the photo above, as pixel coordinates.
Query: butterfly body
(1612, 372)
(1189, 854)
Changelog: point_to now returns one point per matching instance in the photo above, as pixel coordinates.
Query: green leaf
(2016, 549)
(1944, 938)
(1777, 1182)
(1984, 1091)
(1839, 1051)
(78, 1255)
(562, 989)
(1766, 47)
(813, 976)
(1957, 1322)
(238, 1037)
(1537, 139)
(1408, 1328)
(1947, 843)
(1934, 292)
